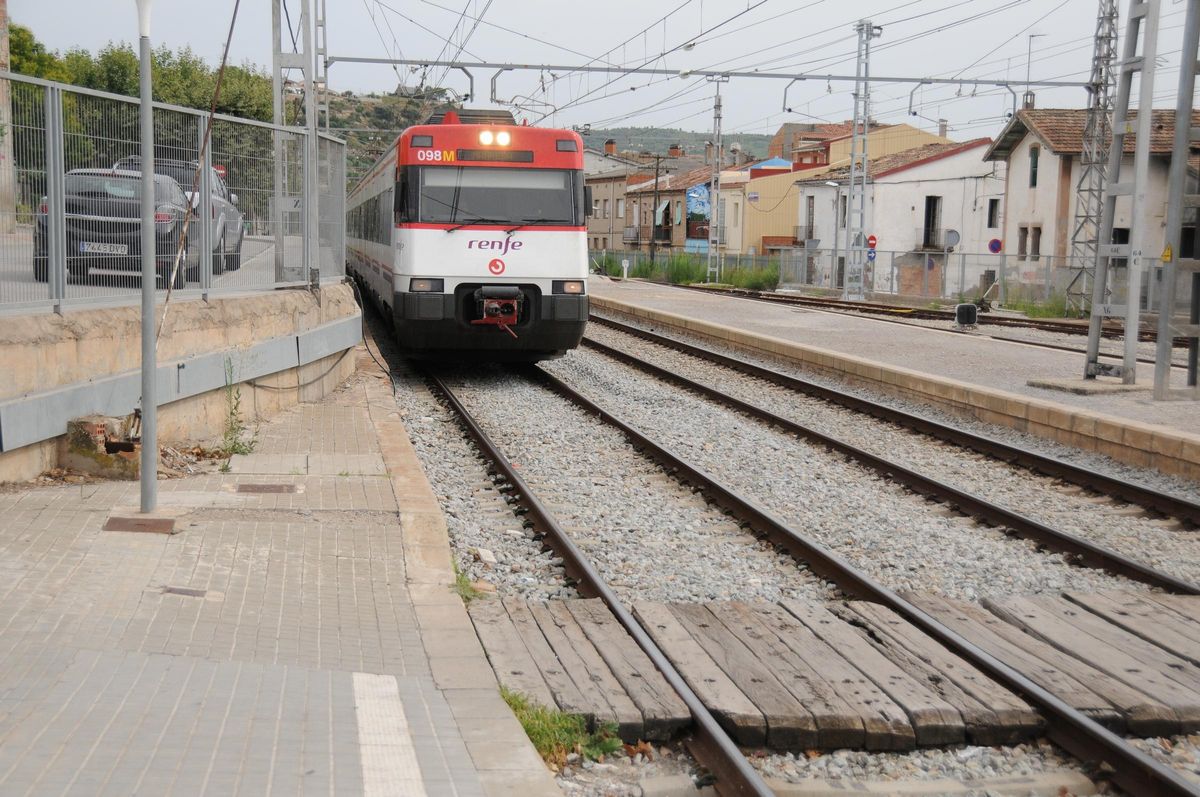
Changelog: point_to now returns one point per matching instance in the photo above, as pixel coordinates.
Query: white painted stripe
(389, 762)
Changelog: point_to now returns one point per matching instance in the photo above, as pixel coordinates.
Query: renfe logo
(496, 266)
(504, 246)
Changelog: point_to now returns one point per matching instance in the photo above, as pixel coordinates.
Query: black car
(225, 220)
(103, 225)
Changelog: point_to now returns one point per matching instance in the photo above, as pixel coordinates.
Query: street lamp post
(149, 460)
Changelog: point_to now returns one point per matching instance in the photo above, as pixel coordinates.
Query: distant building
(767, 203)
(795, 135)
(913, 198)
(1041, 148)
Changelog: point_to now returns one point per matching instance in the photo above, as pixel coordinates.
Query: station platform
(297, 633)
(964, 374)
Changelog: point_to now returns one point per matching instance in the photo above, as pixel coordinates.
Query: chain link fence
(1046, 284)
(227, 217)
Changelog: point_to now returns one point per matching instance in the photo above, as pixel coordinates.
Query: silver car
(225, 219)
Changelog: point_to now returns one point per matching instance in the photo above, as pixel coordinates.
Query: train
(469, 234)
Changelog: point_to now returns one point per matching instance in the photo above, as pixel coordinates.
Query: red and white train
(470, 234)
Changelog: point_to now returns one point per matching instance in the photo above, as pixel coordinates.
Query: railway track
(1147, 497)
(898, 313)
(1071, 729)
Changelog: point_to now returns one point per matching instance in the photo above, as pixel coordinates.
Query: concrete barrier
(1125, 440)
(282, 348)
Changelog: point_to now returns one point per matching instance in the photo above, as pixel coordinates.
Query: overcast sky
(943, 38)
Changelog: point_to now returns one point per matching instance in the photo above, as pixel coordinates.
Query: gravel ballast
(651, 538)
(898, 538)
(1161, 543)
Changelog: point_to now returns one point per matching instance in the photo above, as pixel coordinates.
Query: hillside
(657, 139)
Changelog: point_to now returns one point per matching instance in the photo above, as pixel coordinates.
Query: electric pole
(714, 196)
(856, 200)
(1089, 205)
(658, 159)
(8, 169)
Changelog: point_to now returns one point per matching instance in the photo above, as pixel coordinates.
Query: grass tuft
(556, 734)
(463, 587)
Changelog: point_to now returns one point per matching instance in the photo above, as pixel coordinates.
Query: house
(794, 135)
(913, 198)
(1041, 148)
(768, 202)
(597, 162)
(679, 220)
(610, 214)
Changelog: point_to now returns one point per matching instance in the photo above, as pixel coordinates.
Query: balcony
(804, 232)
(640, 234)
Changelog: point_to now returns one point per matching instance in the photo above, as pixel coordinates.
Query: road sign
(994, 246)
(871, 255)
(219, 169)
(871, 241)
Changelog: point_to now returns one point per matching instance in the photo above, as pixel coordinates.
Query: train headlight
(485, 137)
(426, 285)
(502, 138)
(574, 287)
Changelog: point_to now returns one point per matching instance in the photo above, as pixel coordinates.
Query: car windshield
(488, 195)
(105, 186)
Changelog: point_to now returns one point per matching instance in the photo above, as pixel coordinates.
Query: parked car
(103, 226)
(225, 219)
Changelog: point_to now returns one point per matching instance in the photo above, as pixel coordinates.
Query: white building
(1042, 149)
(914, 198)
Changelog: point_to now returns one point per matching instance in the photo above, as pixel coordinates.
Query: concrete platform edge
(1128, 441)
(502, 754)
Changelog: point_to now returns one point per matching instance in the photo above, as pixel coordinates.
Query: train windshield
(488, 195)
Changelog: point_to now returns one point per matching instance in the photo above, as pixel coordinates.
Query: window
(1035, 243)
(604, 210)
(931, 233)
(595, 207)
(678, 212)
(620, 208)
(842, 210)
(1022, 242)
(810, 215)
(603, 243)
(494, 195)
(1034, 153)
(993, 213)
(737, 213)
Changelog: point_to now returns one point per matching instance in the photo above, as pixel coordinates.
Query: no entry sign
(871, 241)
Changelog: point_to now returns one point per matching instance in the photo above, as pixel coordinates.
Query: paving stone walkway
(297, 636)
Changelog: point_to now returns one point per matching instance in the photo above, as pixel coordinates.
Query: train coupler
(498, 306)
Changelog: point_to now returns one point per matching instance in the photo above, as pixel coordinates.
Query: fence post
(56, 210)
(962, 273)
(204, 186)
(1049, 278)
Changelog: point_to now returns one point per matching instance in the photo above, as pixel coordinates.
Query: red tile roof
(1061, 129)
(680, 181)
(899, 161)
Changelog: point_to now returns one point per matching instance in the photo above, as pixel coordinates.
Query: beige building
(769, 206)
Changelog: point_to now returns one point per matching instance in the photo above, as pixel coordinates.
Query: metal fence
(70, 209)
(1057, 282)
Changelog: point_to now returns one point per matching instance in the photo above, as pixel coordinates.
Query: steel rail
(969, 504)
(1147, 497)
(1083, 737)
(711, 745)
(897, 313)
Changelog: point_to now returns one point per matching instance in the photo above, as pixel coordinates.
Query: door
(931, 235)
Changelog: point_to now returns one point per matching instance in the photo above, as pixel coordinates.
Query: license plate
(90, 248)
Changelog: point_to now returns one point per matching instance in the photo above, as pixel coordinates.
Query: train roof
(473, 116)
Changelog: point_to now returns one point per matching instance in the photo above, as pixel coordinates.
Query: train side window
(401, 198)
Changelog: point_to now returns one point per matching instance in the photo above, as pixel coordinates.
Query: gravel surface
(1161, 543)
(1180, 752)
(893, 535)
(476, 514)
(650, 538)
(1148, 476)
(964, 763)
(622, 776)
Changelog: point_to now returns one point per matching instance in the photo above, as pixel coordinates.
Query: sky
(985, 39)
